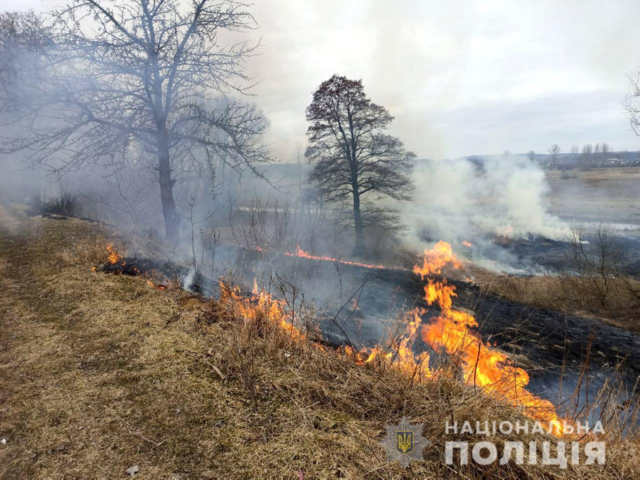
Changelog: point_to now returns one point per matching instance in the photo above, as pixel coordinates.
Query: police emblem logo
(404, 442)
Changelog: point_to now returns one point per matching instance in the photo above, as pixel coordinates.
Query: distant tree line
(596, 155)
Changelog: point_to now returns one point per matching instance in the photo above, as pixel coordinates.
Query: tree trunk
(357, 221)
(166, 190)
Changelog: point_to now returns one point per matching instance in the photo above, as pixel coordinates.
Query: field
(102, 373)
(590, 201)
(232, 248)
(607, 196)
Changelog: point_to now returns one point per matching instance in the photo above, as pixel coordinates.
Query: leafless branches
(145, 80)
(352, 155)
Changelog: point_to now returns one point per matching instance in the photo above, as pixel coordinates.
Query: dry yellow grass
(102, 372)
(598, 174)
(616, 302)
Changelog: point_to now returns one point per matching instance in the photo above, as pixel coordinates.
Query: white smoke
(478, 199)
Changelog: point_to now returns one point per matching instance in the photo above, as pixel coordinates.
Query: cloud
(461, 77)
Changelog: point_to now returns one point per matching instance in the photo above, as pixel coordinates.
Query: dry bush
(64, 204)
(316, 228)
(283, 226)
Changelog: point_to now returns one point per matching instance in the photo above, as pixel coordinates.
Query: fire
(260, 305)
(158, 286)
(436, 259)
(400, 357)
(301, 253)
(467, 244)
(482, 366)
(113, 256)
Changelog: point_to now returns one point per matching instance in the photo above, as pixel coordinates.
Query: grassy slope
(101, 372)
(615, 302)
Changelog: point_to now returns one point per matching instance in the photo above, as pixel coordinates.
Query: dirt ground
(102, 373)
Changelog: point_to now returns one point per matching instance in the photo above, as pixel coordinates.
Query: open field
(289, 241)
(102, 372)
(607, 196)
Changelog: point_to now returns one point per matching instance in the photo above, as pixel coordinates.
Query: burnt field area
(171, 385)
(140, 312)
(363, 307)
(547, 338)
(544, 255)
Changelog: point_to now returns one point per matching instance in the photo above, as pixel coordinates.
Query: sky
(460, 77)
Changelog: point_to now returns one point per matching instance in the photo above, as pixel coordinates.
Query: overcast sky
(460, 78)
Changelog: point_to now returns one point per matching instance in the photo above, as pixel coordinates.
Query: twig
(475, 368)
(334, 320)
(142, 437)
(200, 354)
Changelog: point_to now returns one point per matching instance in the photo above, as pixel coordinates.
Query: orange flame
(436, 259)
(260, 305)
(114, 257)
(400, 356)
(482, 365)
(301, 253)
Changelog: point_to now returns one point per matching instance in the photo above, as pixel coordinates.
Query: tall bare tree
(352, 155)
(144, 79)
(23, 40)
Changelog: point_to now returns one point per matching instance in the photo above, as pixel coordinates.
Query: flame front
(436, 259)
(481, 365)
(260, 305)
(302, 254)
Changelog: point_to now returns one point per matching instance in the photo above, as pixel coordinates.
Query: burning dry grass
(101, 373)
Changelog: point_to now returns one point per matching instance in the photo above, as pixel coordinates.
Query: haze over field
(475, 78)
(461, 77)
(236, 225)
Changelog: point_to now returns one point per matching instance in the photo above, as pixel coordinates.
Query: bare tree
(24, 39)
(352, 155)
(633, 102)
(554, 150)
(587, 156)
(143, 80)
